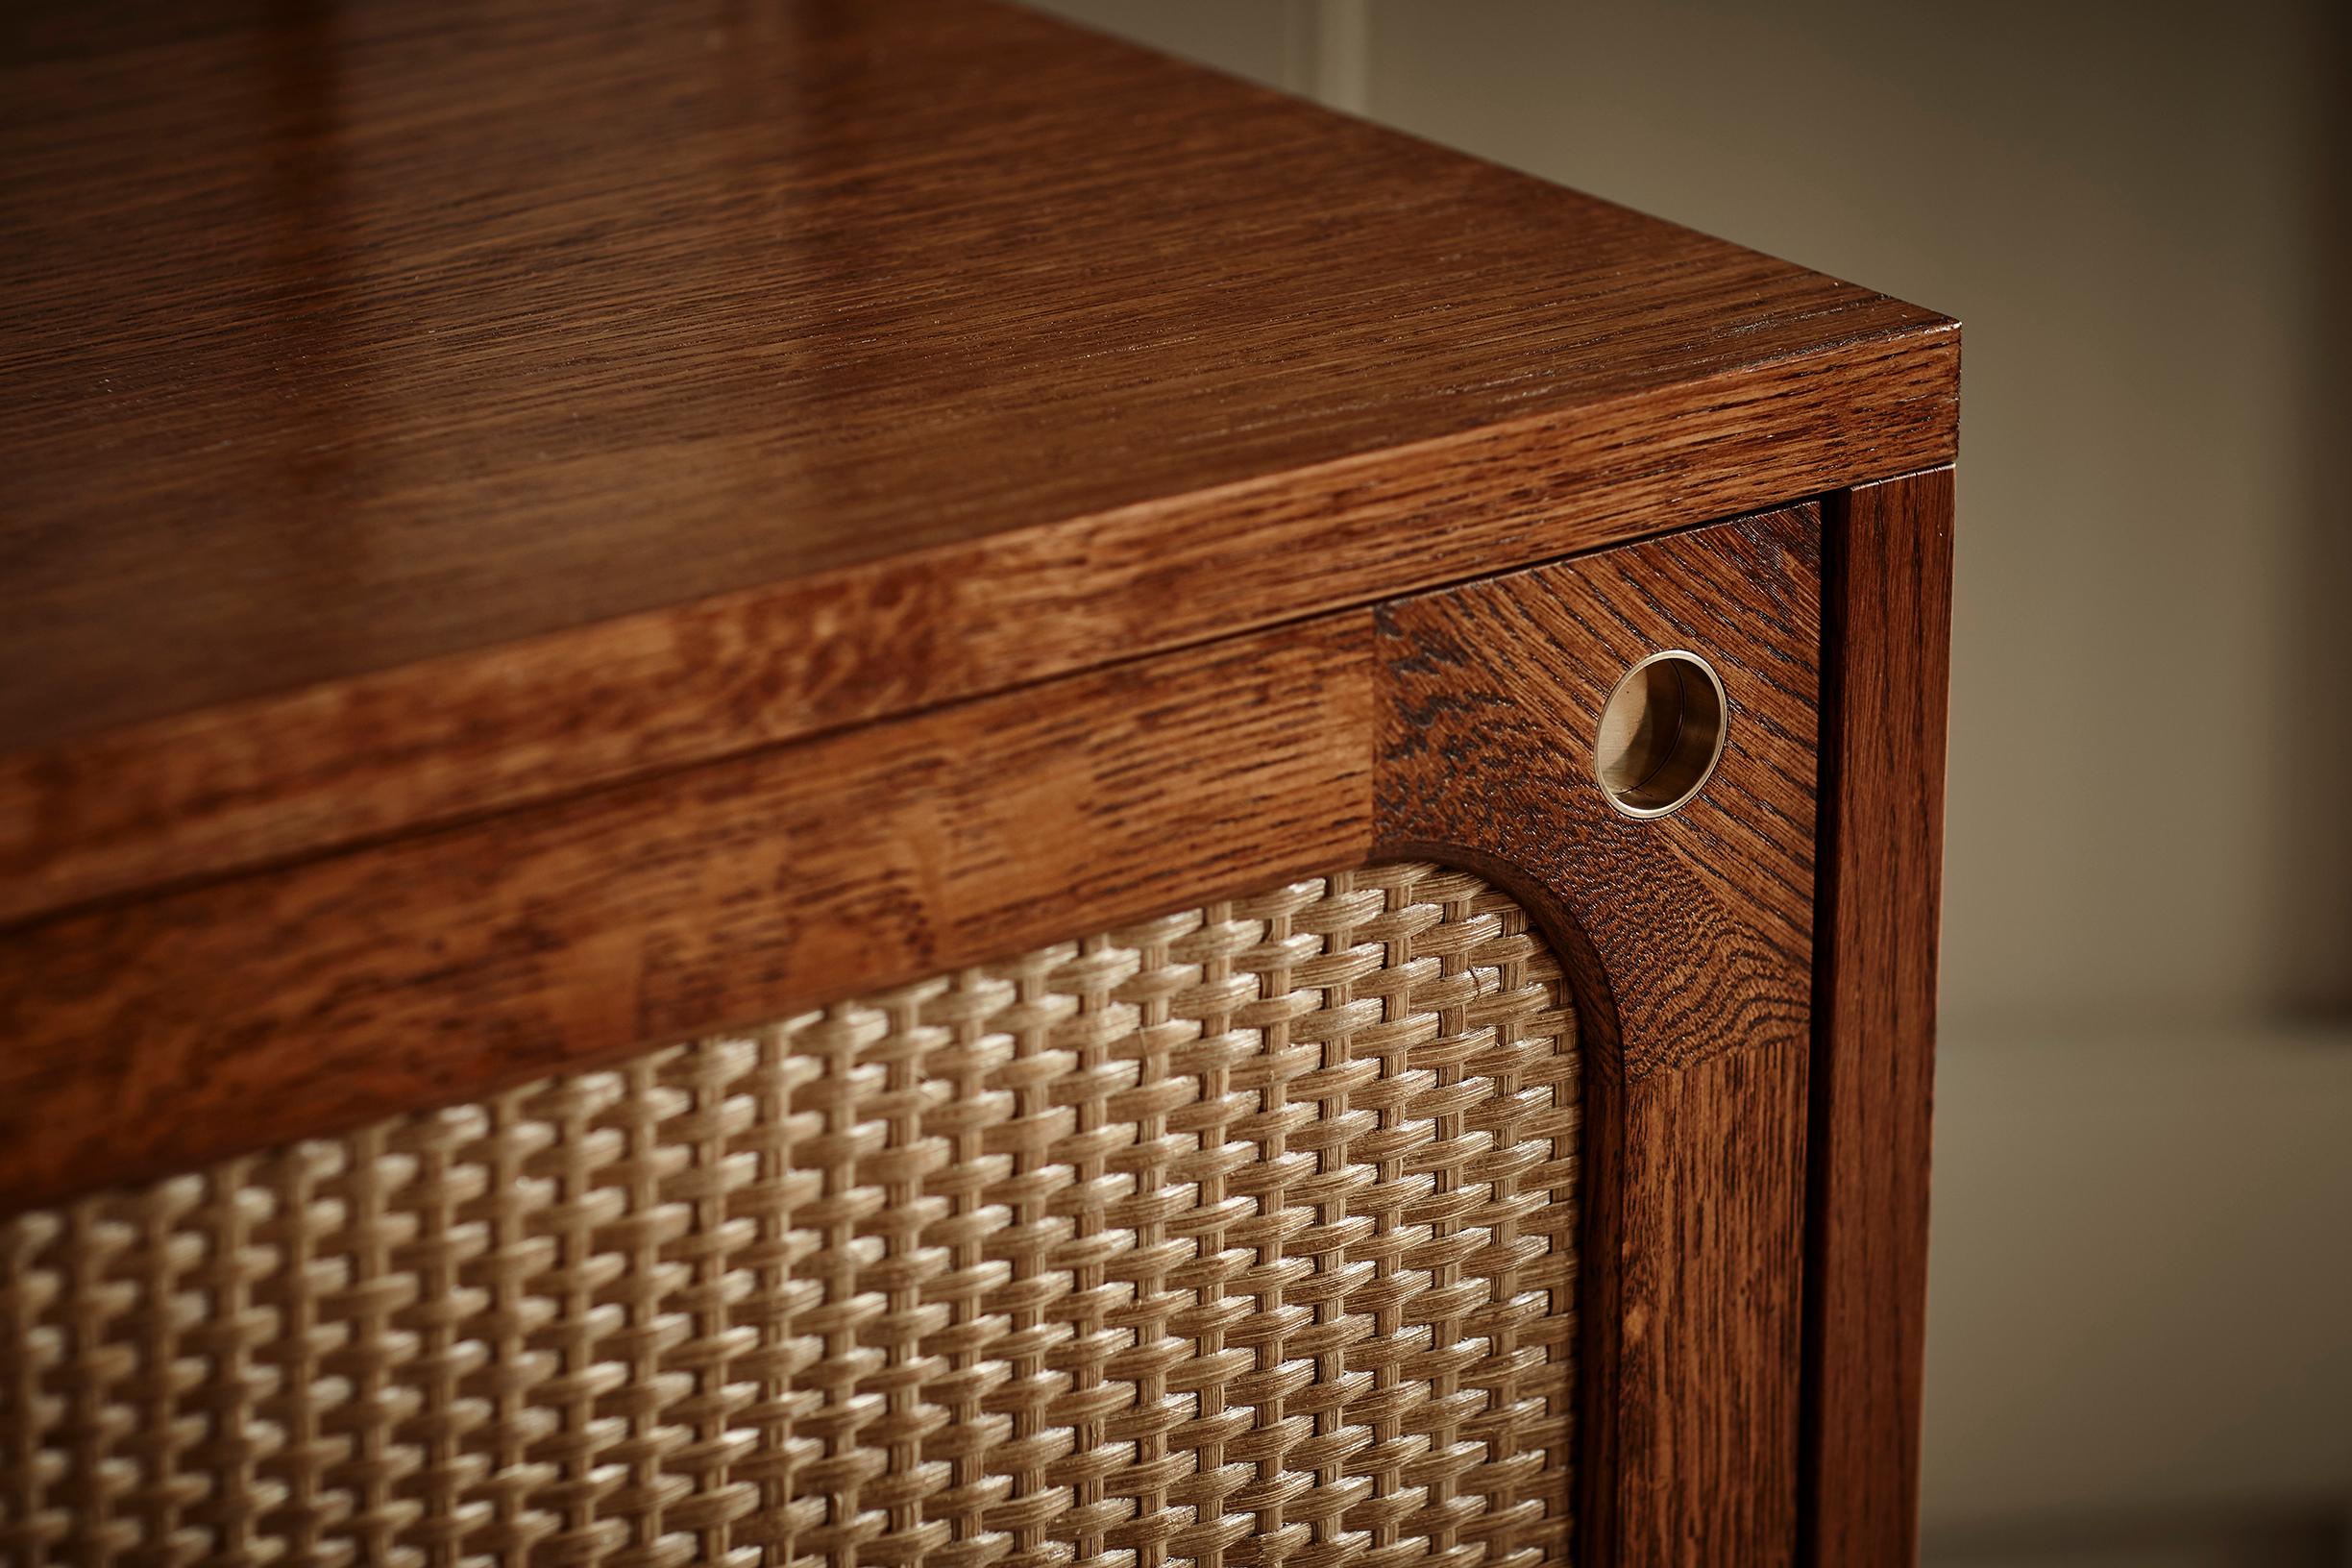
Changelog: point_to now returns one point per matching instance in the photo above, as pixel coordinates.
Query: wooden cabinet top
(411, 412)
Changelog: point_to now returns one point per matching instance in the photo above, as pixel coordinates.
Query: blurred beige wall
(2139, 210)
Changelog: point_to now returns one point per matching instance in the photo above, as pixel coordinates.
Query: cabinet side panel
(1882, 813)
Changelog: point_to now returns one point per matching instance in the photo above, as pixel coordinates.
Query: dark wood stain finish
(419, 412)
(1691, 938)
(527, 531)
(444, 966)
(1874, 1062)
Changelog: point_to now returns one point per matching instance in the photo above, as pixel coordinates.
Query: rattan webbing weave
(1245, 1236)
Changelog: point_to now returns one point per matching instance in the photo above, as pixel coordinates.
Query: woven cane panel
(1245, 1236)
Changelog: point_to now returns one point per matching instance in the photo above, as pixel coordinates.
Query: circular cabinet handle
(1661, 734)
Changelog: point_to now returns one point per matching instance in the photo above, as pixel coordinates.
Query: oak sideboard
(879, 785)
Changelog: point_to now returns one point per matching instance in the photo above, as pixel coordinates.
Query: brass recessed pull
(1661, 734)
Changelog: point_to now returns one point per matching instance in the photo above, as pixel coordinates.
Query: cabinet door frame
(1757, 1037)
(1689, 942)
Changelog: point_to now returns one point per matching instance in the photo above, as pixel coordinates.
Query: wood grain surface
(302, 999)
(1689, 939)
(1882, 832)
(282, 1004)
(410, 413)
